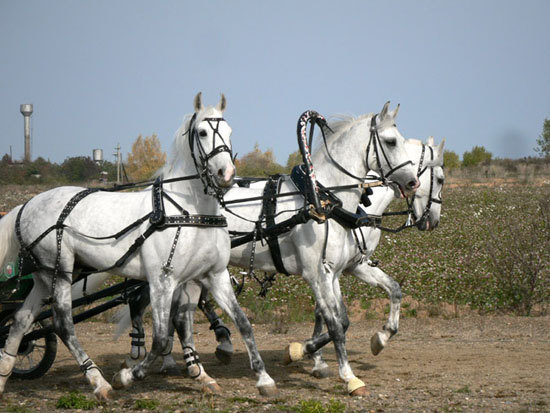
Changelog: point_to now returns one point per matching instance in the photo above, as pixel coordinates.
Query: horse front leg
(376, 277)
(220, 287)
(161, 289)
(187, 300)
(336, 320)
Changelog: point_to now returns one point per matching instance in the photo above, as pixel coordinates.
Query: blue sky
(102, 72)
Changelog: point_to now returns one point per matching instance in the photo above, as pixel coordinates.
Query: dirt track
(433, 364)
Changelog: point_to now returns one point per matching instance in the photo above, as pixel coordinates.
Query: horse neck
(380, 200)
(349, 150)
(189, 194)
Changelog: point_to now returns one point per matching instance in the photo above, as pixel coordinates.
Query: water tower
(26, 111)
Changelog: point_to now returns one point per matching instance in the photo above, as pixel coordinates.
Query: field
(461, 345)
(470, 364)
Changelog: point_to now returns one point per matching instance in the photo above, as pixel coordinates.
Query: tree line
(146, 157)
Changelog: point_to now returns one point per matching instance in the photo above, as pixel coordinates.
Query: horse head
(386, 153)
(426, 203)
(209, 140)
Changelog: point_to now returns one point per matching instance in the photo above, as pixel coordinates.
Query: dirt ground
(475, 363)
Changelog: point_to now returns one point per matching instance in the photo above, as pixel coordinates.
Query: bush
(477, 156)
(520, 258)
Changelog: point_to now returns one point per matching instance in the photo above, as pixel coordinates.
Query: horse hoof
(268, 390)
(223, 356)
(356, 387)
(377, 343)
(211, 388)
(293, 352)
(122, 379)
(102, 394)
(321, 373)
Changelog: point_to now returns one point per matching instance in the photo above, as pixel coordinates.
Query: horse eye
(202, 133)
(391, 142)
(440, 181)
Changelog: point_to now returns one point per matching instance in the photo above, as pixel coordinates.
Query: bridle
(376, 143)
(210, 184)
(431, 199)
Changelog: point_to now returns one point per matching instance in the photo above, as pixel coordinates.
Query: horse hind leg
(161, 292)
(22, 322)
(64, 327)
(186, 304)
(137, 304)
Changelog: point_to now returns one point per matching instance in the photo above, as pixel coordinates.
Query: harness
(420, 171)
(158, 220)
(320, 204)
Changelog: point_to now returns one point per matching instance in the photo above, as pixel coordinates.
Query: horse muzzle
(224, 177)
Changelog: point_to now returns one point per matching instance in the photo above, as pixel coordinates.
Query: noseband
(210, 184)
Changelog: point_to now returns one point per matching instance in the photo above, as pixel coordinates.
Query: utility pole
(118, 156)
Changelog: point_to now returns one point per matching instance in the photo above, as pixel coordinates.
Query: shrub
(520, 258)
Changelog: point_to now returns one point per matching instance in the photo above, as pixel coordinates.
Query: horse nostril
(220, 173)
(411, 184)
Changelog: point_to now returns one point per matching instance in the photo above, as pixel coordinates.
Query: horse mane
(340, 122)
(413, 141)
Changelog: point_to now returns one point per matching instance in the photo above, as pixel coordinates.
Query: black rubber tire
(49, 344)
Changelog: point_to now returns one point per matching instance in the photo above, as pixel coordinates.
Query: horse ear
(394, 113)
(430, 140)
(384, 111)
(222, 104)
(198, 102)
(441, 146)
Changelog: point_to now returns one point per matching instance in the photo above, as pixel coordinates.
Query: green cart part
(13, 288)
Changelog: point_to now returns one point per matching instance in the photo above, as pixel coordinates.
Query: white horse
(426, 208)
(303, 248)
(192, 244)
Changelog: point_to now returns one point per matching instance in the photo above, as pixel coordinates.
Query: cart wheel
(35, 357)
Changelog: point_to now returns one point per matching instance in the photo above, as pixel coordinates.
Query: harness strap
(270, 209)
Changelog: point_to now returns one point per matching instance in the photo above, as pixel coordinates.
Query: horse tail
(123, 320)
(9, 245)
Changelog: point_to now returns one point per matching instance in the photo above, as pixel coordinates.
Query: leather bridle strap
(376, 142)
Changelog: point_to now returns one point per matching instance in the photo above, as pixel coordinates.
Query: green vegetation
(451, 160)
(146, 404)
(315, 406)
(477, 156)
(543, 141)
(491, 252)
(76, 400)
